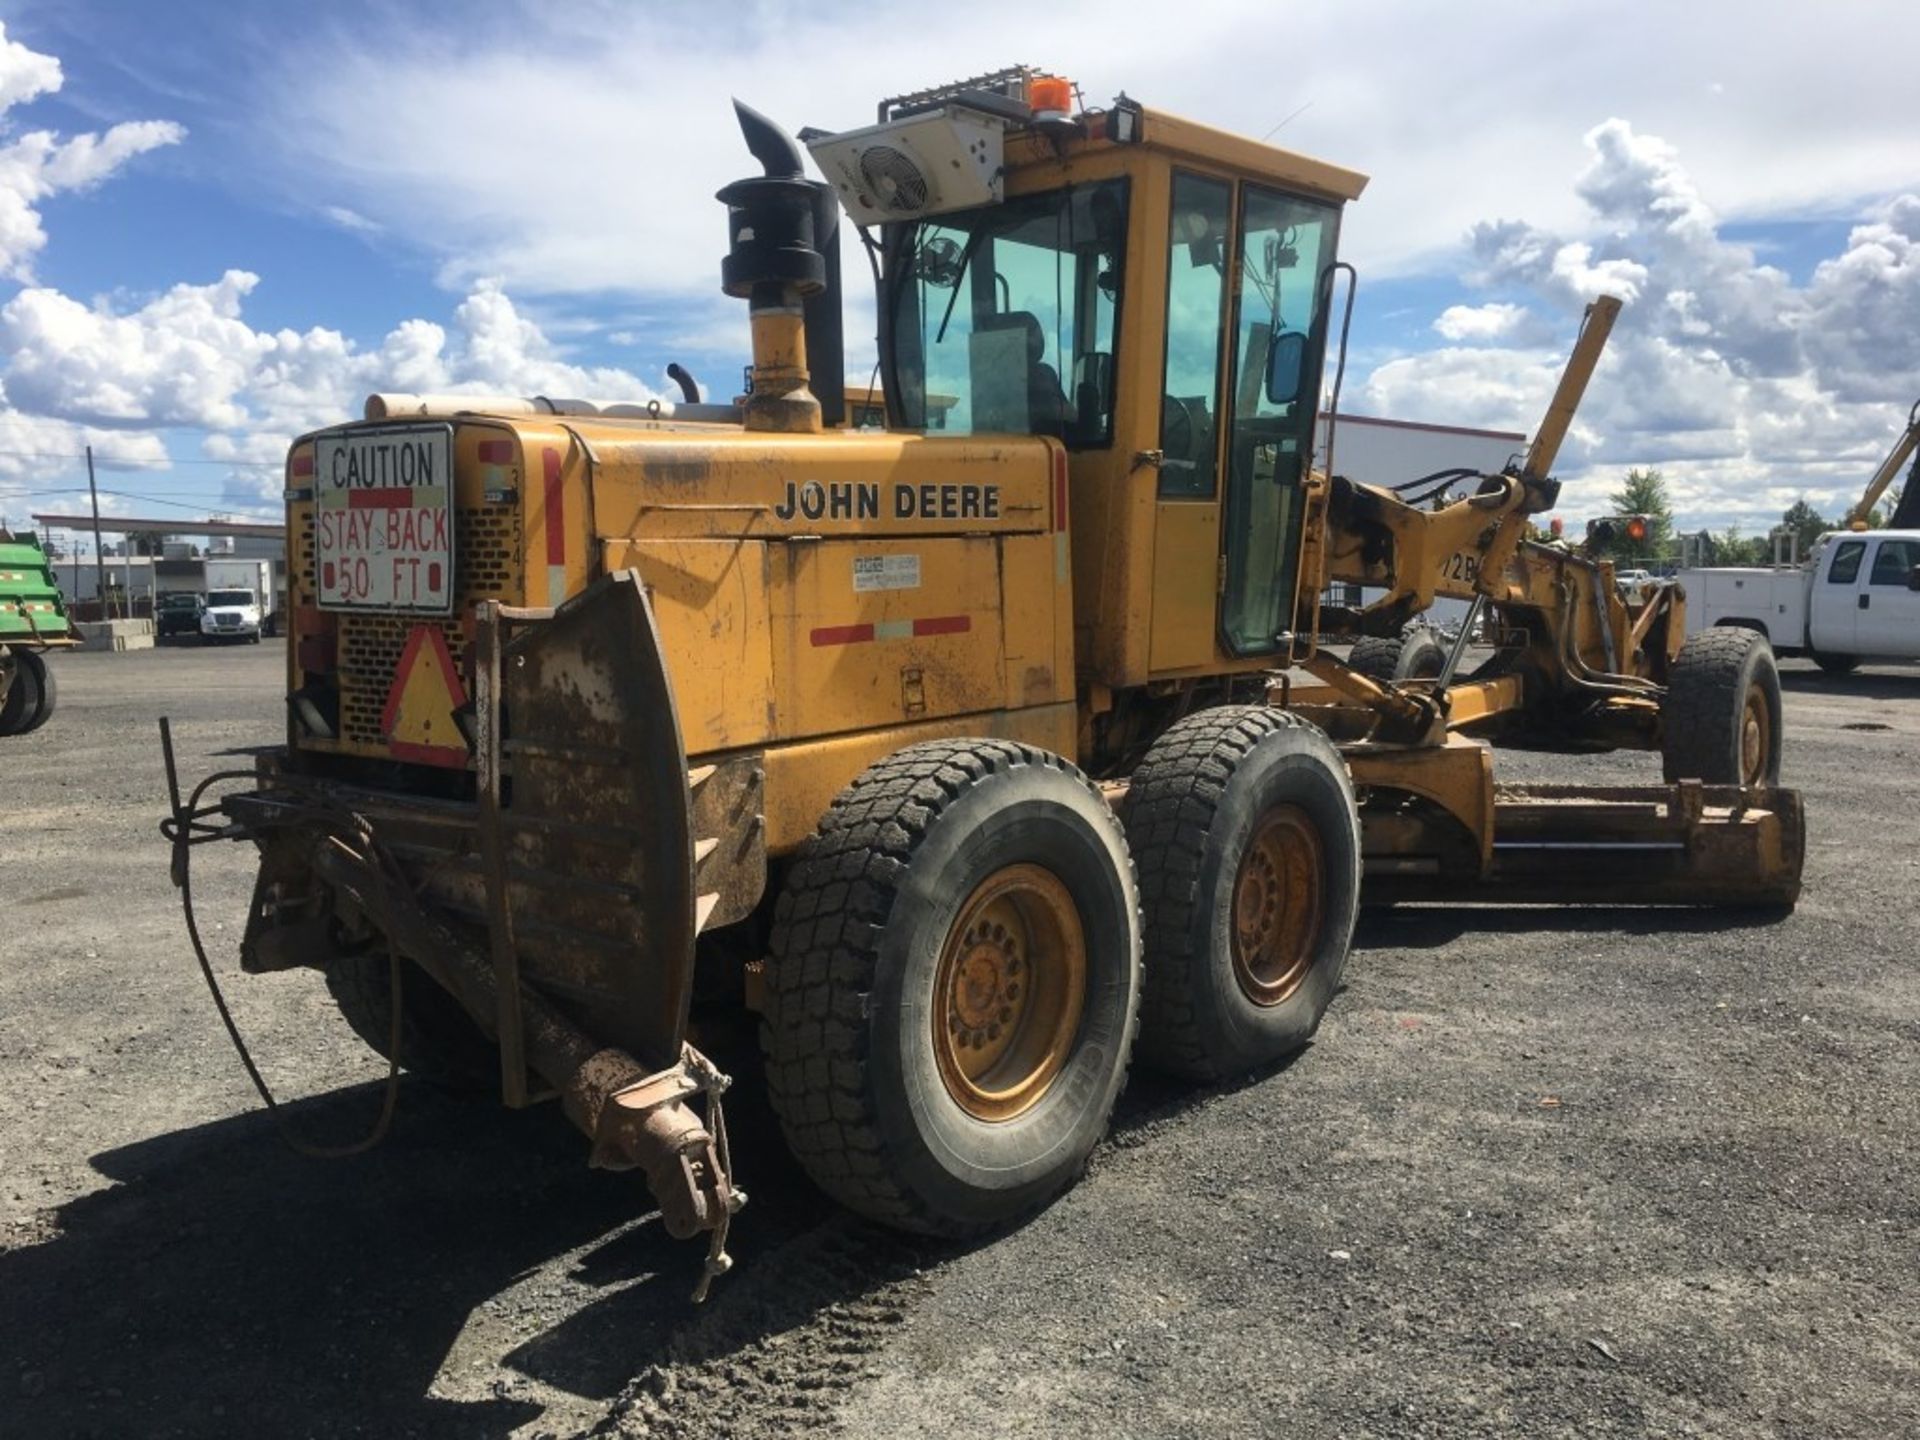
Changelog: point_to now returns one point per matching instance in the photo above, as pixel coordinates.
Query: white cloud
(189, 358)
(1479, 322)
(349, 219)
(38, 164)
(181, 359)
(1862, 326)
(606, 181)
(24, 74)
(1738, 384)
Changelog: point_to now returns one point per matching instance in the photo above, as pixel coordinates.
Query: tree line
(1644, 492)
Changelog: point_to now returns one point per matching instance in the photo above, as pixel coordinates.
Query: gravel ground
(1580, 1172)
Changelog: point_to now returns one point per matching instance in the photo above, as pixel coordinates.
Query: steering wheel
(1179, 428)
(1184, 467)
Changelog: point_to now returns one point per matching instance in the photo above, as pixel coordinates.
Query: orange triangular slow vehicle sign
(418, 720)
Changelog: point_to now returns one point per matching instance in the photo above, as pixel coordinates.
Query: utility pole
(99, 551)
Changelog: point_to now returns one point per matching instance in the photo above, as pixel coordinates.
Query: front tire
(1721, 720)
(1243, 824)
(1836, 665)
(1416, 655)
(954, 986)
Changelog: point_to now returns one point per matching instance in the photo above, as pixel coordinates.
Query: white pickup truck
(1856, 598)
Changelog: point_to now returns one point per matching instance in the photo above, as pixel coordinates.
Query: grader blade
(1682, 844)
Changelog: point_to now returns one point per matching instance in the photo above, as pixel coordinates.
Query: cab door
(1282, 244)
(1186, 521)
(1241, 374)
(1889, 608)
(1833, 614)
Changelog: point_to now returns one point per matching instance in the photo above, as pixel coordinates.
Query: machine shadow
(1857, 686)
(226, 1285)
(1426, 926)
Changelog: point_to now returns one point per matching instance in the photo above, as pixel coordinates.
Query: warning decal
(886, 572)
(418, 720)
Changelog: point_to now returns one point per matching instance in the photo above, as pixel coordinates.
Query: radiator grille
(301, 560)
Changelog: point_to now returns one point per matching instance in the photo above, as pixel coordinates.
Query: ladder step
(703, 911)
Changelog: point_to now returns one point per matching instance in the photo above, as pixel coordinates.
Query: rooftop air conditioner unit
(945, 159)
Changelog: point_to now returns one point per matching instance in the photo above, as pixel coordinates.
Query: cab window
(1894, 561)
(1005, 318)
(1846, 562)
(1196, 315)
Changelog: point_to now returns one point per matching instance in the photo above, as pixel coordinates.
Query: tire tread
(1701, 716)
(1176, 792)
(825, 947)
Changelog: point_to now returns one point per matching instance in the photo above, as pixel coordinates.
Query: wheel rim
(1756, 737)
(1277, 904)
(1009, 991)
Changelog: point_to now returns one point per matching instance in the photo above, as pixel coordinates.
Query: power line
(171, 460)
(204, 497)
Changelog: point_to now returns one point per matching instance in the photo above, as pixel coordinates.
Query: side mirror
(1286, 365)
(1913, 578)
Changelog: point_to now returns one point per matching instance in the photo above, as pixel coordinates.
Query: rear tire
(49, 695)
(1836, 665)
(1416, 655)
(954, 986)
(1721, 720)
(438, 1040)
(1243, 825)
(22, 701)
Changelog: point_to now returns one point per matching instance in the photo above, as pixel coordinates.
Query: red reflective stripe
(495, 452)
(303, 466)
(556, 511)
(401, 499)
(857, 634)
(1059, 490)
(842, 634)
(944, 625)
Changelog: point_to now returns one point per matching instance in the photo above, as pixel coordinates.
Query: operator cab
(1151, 293)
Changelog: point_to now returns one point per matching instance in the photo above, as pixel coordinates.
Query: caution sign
(418, 719)
(383, 519)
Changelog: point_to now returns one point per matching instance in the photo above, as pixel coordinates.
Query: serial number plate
(383, 519)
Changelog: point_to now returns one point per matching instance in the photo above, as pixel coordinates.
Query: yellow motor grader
(968, 755)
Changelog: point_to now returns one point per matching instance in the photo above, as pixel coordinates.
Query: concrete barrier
(115, 634)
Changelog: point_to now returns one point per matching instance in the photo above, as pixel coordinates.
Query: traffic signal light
(1610, 530)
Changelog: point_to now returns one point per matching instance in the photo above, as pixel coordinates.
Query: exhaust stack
(773, 263)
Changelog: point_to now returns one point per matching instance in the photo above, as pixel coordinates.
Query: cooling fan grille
(894, 178)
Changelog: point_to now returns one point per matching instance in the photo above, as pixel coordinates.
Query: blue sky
(520, 195)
